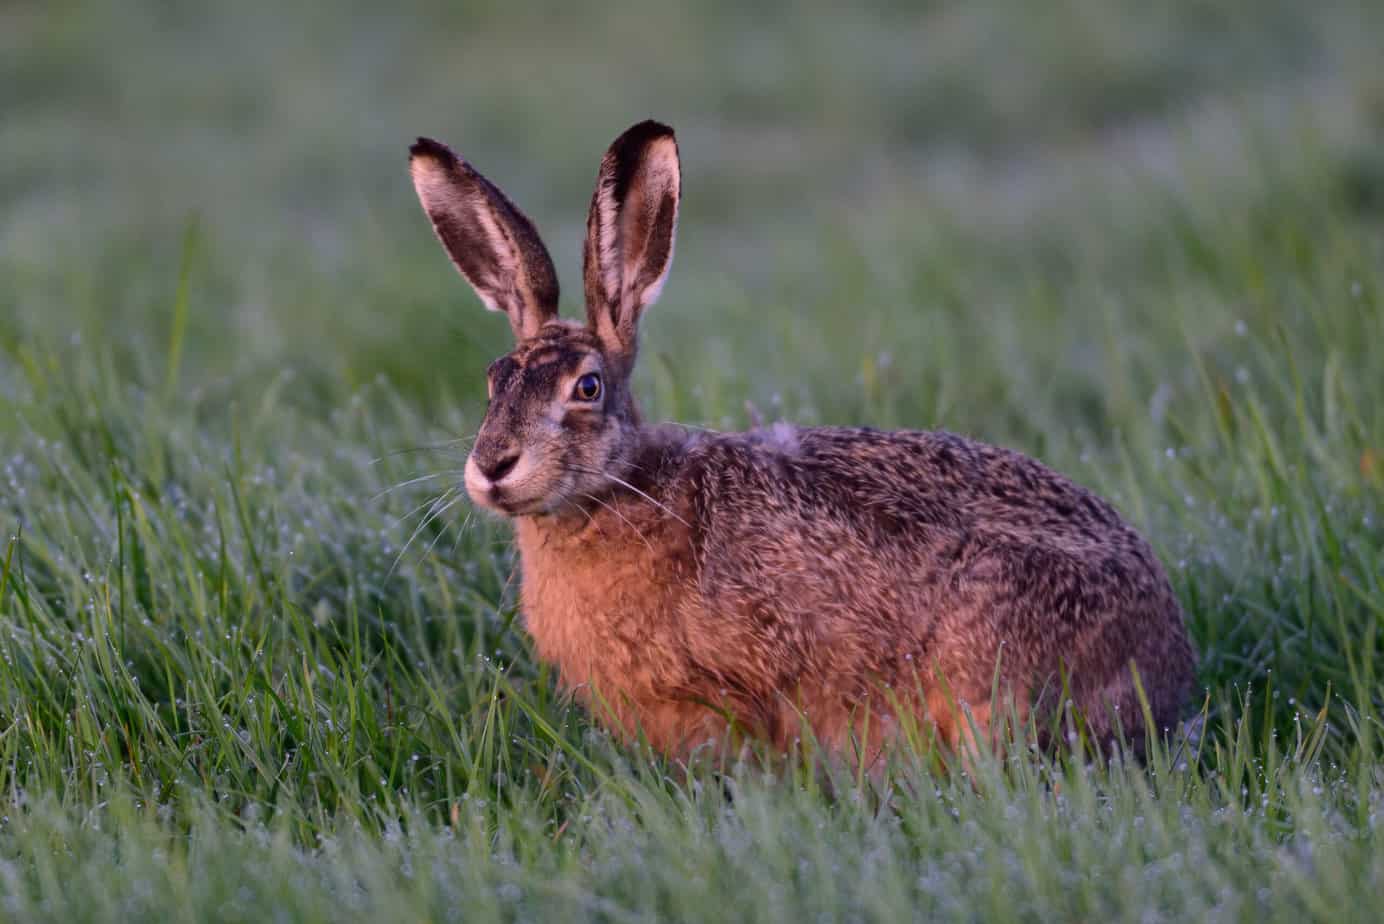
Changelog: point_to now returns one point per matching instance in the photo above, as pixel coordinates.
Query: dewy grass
(253, 666)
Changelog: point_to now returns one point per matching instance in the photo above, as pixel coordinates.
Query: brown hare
(694, 586)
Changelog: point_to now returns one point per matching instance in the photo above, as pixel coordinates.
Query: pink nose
(497, 469)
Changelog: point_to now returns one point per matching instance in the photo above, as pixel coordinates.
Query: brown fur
(684, 582)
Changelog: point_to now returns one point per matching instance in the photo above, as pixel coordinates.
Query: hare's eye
(588, 387)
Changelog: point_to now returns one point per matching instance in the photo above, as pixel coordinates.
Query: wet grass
(246, 672)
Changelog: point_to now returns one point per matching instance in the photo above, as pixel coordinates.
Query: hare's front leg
(677, 727)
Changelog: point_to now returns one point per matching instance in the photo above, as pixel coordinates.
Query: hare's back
(860, 520)
(900, 482)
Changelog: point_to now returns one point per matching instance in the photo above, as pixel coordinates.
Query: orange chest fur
(604, 609)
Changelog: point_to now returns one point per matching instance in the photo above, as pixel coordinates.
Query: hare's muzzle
(489, 473)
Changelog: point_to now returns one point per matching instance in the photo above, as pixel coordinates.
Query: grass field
(243, 675)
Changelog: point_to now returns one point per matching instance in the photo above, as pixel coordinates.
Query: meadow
(249, 669)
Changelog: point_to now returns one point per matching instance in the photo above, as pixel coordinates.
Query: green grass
(238, 681)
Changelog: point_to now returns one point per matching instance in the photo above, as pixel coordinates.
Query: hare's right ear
(629, 233)
(491, 242)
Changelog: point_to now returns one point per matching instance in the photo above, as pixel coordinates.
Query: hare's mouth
(505, 501)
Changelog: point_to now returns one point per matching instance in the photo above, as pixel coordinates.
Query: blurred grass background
(863, 160)
(1142, 242)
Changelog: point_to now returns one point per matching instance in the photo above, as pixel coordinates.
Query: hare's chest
(605, 614)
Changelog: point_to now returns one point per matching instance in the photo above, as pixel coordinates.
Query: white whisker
(623, 517)
(620, 481)
(659, 504)
(427, 503)
(444, 502)
(582, 510)
(435, 447)
(418, 480)
(462, 532)
(445, 526)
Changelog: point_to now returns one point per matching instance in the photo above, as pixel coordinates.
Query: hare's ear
(629, 232)
(491, 242)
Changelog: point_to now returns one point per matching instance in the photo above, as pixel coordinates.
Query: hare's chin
(505, 502)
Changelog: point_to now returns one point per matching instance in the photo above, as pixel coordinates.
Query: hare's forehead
(543, 367)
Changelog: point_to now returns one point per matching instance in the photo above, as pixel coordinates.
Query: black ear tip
(652, 128)
(641, 134)
(427, 147)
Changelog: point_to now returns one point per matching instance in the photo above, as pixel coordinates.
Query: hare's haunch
(685, 582)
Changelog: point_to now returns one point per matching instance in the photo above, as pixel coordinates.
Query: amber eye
(588, 387)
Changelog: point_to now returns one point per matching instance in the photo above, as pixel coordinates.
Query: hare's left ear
(492, 243)
(629, 233)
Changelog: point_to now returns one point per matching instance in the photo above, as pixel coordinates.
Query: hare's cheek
(583, 425)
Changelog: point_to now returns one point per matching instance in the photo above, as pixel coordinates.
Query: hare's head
(561, 420)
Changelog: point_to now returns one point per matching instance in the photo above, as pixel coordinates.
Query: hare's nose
(497, 469)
